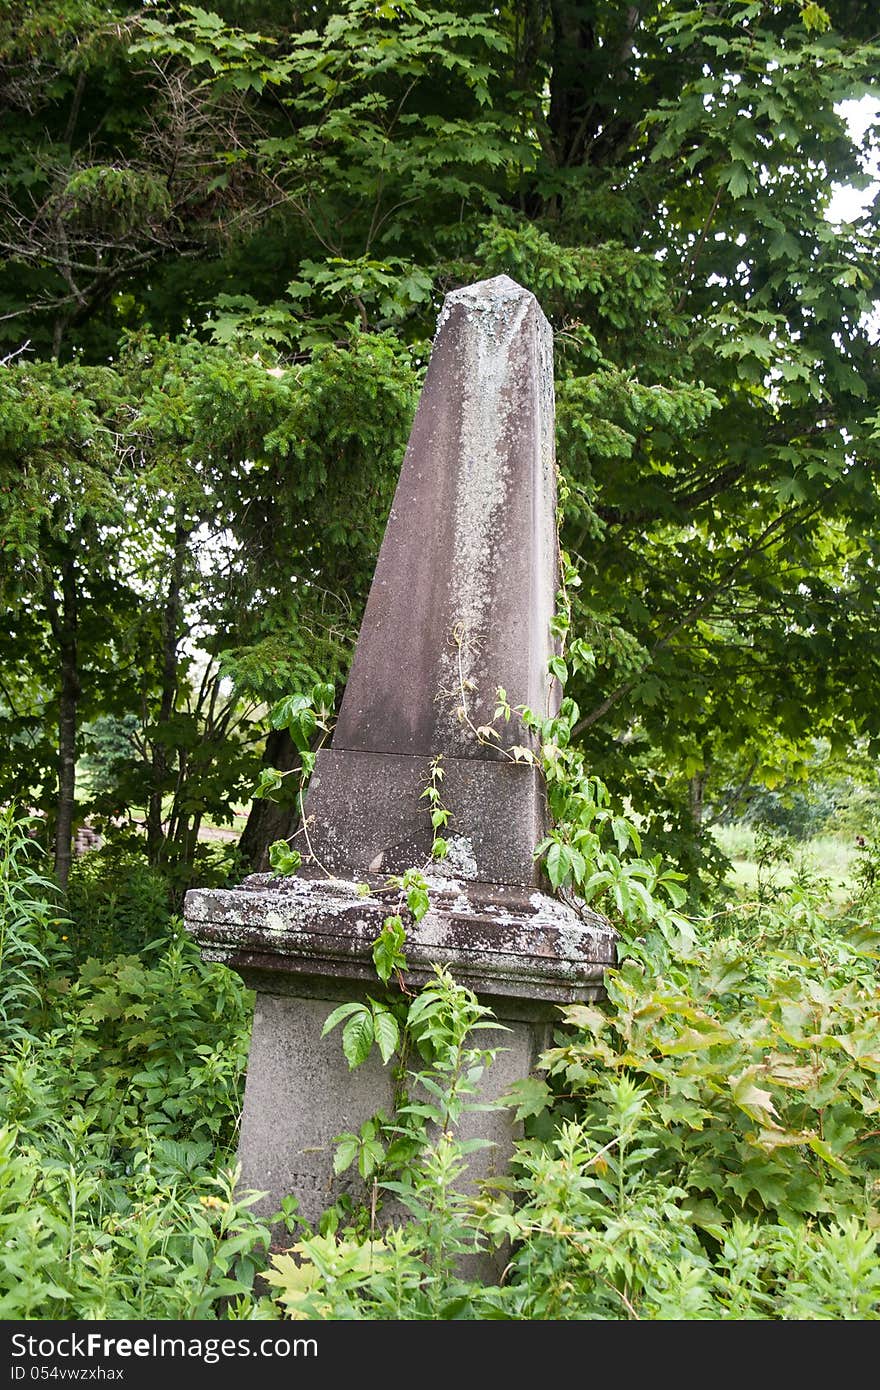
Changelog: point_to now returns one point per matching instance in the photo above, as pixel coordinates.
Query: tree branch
(693, 613)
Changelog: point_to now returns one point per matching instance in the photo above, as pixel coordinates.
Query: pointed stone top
(488, 295)
(499, 287)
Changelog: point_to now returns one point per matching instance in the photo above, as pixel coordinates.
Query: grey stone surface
(367, 814)
(301, 1094)
(279, 934)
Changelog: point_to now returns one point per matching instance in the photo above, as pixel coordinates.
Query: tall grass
(120, 1094)
(762, 860)
(30, 912)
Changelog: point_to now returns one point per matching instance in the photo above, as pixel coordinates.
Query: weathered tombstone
(460, 605)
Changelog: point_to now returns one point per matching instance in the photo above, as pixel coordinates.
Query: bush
(117, 1145)
(798, 812)
(703, 1146)
(116, 902)
(120, 1095)
(30, 921)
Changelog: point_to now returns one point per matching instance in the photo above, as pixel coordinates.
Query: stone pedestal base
(301, 1094)
(311, 936)
(304, 945)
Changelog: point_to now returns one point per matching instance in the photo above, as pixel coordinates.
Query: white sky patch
(847, 202)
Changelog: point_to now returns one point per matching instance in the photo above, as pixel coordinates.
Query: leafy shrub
(120, 1093)
(30, 917)
(709, 1134)
(79, 1244)
(800, 813)
(867, 869)
(161, 1046)
(116, 901)
(117, 1146)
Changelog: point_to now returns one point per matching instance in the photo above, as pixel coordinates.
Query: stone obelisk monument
(460, 605)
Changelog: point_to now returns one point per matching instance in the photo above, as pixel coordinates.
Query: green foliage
(137, 486)
(388, 952)
(705, 1138)
(116, 902)
(440, 815)
(283, 859)
(147, 1045)
(109, 744)
(576, 855)
(387, 1024)
(31, 920)
(78, 1245)
(368, 1023)
(105, 195)
(702, 1143)
(120, 1092)
(307, 721)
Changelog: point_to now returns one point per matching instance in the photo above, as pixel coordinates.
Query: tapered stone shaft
(460, 605)
(465, 584)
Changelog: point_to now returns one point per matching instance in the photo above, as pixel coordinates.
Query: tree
(658, 175)
(165, 523)
(63, 514)
(113, 165)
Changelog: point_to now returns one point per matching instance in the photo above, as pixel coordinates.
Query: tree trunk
(64, 622)
(171, 621)
(268, 820)
(590, 70)
(571, 91)
(697, 788)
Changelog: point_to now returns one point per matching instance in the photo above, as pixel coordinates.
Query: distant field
(830, 857)
(210, 831)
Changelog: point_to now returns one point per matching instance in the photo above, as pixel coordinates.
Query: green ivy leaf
(347, 1146)
(388, 953)
(338, 1014)
(357, 1036)
(386, 1032)
(323, 696)
(288, 710)
(558, 863)
(417, 900)
(282, 859)
(557, 667)
(269, 781)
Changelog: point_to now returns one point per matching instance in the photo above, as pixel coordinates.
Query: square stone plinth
(304, 945)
